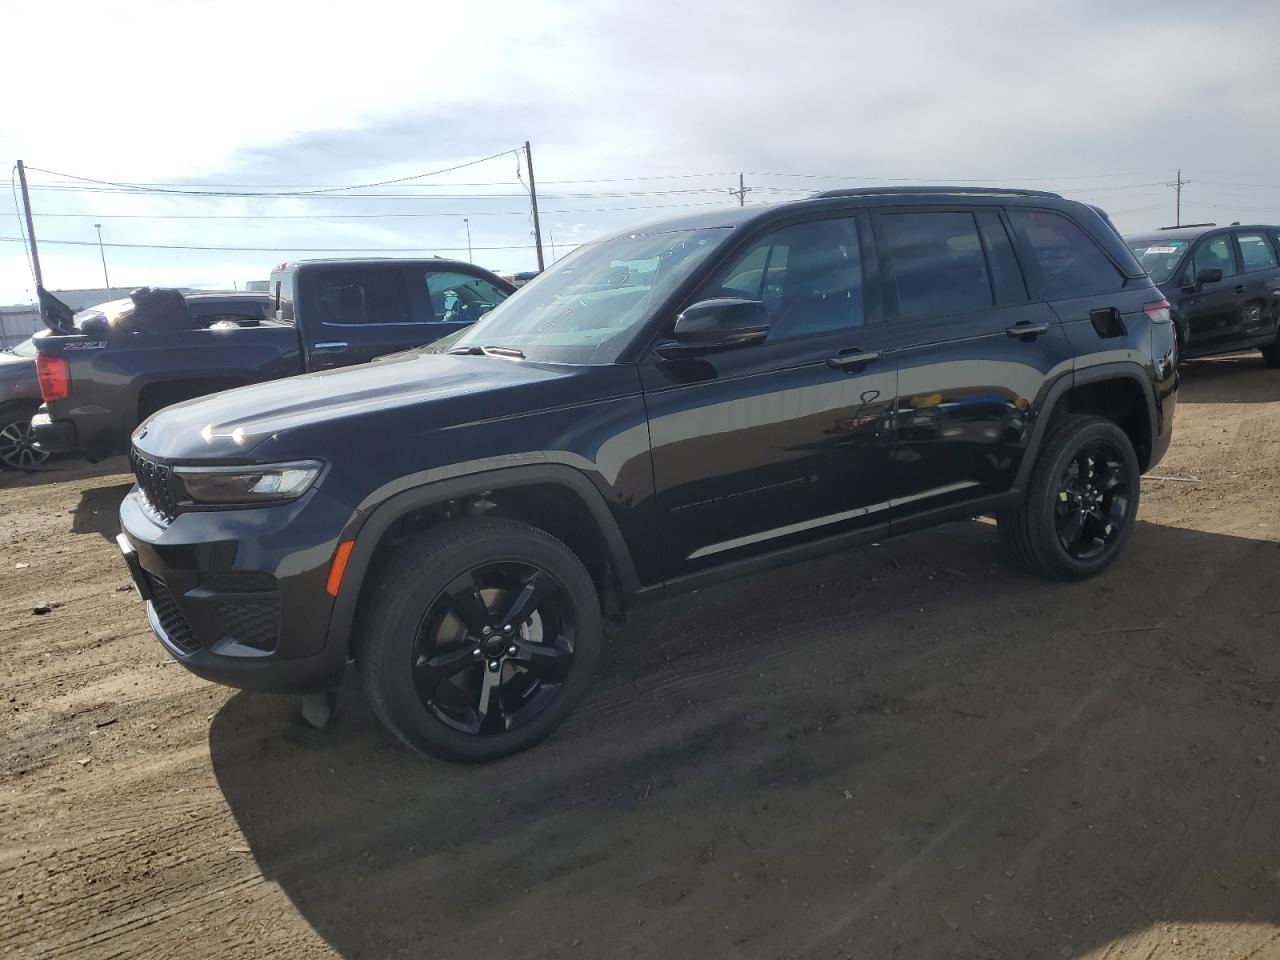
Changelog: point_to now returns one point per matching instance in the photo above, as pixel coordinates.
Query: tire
(419, 646)
(1271, 353)
(1086, 471)
(16, 452)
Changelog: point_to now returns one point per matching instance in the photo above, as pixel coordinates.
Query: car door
(974, 353)
(1260, 282)
(1211, 310)
(353, 313)
(769, 446)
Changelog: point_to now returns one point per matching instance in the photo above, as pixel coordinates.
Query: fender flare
(368, 530)
(1103, 371)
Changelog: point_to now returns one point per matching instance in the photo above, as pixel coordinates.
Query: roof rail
(1183, 226)
(892, 191)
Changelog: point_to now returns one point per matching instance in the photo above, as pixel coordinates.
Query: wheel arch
(568, 505)
(1120, 391)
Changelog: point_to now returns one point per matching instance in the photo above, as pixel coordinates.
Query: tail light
(1158, 312)
(55, 380)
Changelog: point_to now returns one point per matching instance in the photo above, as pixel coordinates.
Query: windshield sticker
(1162, 249)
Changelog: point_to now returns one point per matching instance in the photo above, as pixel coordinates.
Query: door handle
(1027, 331)
(1239, 288)
(329, 346)
(853, 358)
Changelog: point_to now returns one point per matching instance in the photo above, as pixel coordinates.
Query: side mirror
(1208, 275)
(719, 324)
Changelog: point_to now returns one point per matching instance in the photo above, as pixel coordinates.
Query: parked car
(100, 381)
(1223, 284)
(665, 408)
(19, 399)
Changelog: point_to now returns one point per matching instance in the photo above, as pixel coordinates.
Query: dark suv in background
(671, 406)
(1223, 284)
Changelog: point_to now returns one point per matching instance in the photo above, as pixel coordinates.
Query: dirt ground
(909, 751)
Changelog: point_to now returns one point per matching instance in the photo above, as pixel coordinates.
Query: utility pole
(467, 223)
(31, 229)
(741, 192)
(105, 279)
(533, 199)
(1178, 185)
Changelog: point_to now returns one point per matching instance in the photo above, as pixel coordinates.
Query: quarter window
(362, 297)
(808, 275)
(1070, 263)
(460, 297)
(1256, 252)
(938, 263)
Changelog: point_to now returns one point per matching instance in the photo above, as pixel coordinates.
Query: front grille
(155, 480)
(171, 619)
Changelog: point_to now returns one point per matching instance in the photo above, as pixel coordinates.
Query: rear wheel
(1271, 352)
(481, 637)
(17, 443)
(1081, 503)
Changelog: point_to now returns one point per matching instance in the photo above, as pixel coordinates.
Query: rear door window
(365, 297)
(1069, 262)
(1256, 252)
(938, 262)
(460, 297)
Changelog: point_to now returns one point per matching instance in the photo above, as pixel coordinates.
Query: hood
(231, 424)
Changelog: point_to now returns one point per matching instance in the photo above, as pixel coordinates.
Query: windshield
(1158, 257)
(586, 307)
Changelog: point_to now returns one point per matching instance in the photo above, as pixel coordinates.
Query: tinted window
(1213, 254)
(460, 297)
(808, 275)
(1256, 252)
(362, 296)
(938, 263)
(1006, 275)
(1070, 263)
(208, 312)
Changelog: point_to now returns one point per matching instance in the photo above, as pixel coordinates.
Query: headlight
(203, 486)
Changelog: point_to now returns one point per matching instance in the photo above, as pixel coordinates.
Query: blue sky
(635, 111)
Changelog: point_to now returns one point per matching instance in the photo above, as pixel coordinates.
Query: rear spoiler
(57, 316)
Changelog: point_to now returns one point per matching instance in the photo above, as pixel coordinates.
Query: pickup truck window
(359, 297)
(459, 297)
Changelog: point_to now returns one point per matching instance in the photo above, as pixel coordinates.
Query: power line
(361, 186)
(173, 246)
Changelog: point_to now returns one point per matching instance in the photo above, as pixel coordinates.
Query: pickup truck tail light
(55, 380)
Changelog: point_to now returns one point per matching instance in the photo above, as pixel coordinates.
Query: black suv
(671, 406)
(1223, 284)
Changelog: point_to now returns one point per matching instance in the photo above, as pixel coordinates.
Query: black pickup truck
(101, 375)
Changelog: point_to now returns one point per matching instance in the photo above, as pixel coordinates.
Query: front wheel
(481, 637)
(1081, 504)
(1271, 352)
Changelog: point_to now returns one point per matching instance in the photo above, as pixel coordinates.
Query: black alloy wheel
(17, 444)
(494, 648)
(1093, 500)
(479, 637)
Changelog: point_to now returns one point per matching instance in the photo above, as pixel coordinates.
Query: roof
(364, 261)
(1193, 232)
(916, 191)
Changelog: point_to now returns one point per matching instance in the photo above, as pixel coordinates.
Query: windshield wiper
(463, 351)
(503, 352)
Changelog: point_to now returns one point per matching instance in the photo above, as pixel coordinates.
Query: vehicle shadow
(1241, 378)
(99, 510)
(912, 751)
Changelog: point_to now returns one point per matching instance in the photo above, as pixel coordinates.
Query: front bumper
(238, 596)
